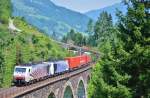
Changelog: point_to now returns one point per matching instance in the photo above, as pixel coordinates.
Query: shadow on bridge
(52, 95)
(68, 93)
(81, 90)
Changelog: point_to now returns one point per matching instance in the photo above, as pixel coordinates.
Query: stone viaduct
(57, 89)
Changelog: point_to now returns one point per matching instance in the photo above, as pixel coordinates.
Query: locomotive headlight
(19, 77)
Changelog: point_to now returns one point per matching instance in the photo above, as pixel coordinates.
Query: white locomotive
(27, 74)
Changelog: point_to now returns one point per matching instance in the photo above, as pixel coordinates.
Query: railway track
(18, 91)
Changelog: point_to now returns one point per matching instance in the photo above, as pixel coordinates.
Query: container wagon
(60, 66)
(75, 62)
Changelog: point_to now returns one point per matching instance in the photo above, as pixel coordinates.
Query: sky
(85, 5)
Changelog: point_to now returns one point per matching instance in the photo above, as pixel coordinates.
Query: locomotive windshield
(20, 70)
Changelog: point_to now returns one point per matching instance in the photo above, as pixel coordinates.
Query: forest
(123, 70)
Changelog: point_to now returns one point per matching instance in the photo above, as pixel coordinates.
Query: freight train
(36, 72)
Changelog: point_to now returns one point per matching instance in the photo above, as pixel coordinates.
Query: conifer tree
(123, 71)
(135, 34)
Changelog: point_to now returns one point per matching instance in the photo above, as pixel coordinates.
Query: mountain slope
(94, 14)
(48, 17)
(24, 46)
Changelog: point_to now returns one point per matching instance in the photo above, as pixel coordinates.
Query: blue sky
(85, 5)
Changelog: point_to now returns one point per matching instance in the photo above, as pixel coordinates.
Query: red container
(83, 59)
(73, 61)
(77, 61)
(88, 59)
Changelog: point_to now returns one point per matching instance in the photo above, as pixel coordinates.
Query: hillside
(48, 17)
(94, 14)
(21, 47)
(26, 46)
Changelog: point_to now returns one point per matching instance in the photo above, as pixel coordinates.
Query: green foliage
(108, 81)
(5, 10)
(134, 28)
(90, 27)
(103, 25)
(101, 31)
(1, 66)
(26, 46)
(123, 71)
(75, 38)
(9, 61)
(90, 30)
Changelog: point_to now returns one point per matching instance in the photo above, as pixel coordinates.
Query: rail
(18, 91)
